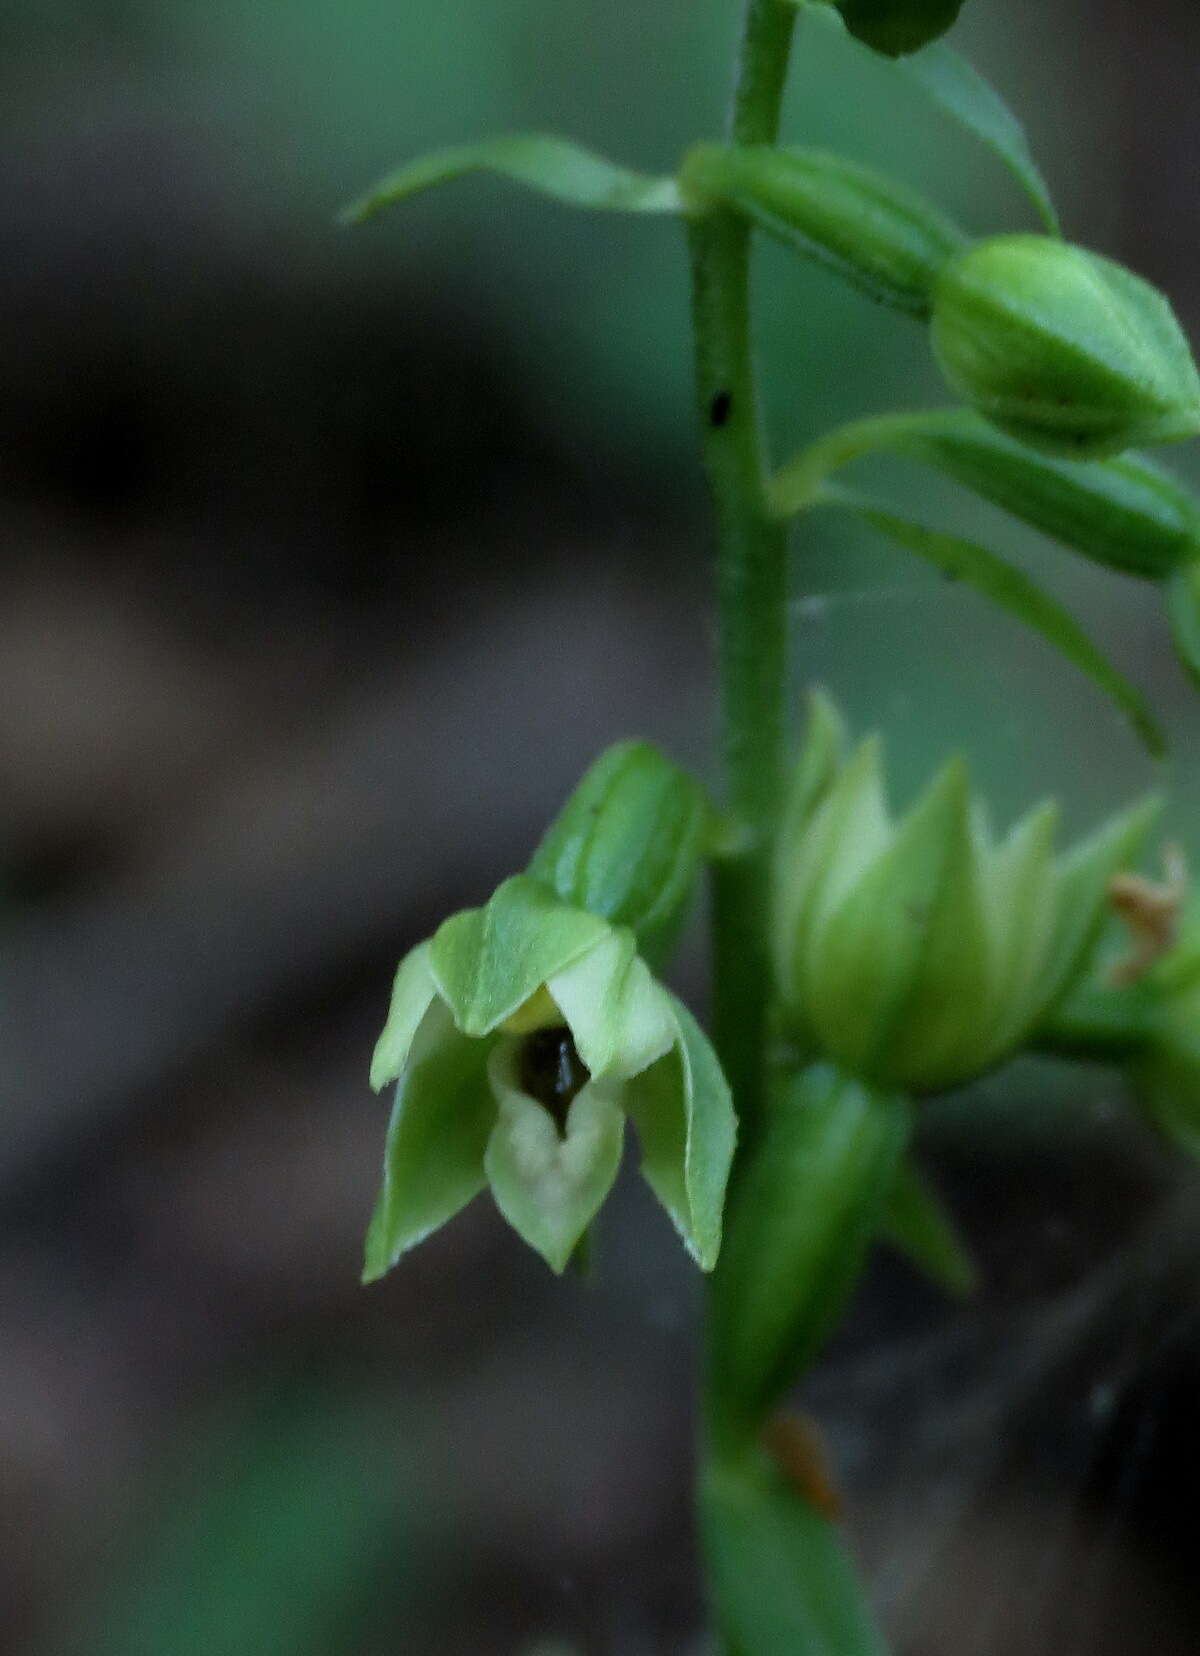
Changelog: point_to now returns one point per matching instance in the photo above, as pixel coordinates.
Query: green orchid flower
(522, 1036)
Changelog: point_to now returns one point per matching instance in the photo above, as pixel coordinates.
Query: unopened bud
(628, 844)
(1067, 351)
(896, 27)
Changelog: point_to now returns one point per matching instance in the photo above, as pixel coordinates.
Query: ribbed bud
(1065, 350)
(628, 844)
(1124, 512)
(870, 229)
(896, 27)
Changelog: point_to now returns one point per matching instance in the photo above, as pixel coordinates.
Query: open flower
(521, 1036)
(919, 953)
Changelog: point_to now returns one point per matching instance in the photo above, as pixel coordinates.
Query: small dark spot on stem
(720, 409)
(550, 1070)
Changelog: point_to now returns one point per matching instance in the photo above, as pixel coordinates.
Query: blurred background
(329, 560)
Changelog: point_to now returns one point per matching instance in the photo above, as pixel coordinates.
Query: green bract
(918, 953)
(1065, 350)
(628, 844)
(522, 1035)
(869, 228)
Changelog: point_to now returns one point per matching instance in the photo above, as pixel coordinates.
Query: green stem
(797, 483)
(752, 579)
(1099, 1026)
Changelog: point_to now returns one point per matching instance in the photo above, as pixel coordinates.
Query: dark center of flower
(550, 1070)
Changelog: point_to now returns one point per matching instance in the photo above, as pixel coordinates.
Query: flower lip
(550, 1070)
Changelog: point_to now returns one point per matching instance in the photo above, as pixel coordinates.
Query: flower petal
(938, 1035)
(847, 829)
(683, 1112)
(433, 1163)
(863, 954)
(619, 1015)
(412, 992)
(1082, 886)
(488, 961)
(550, 1186)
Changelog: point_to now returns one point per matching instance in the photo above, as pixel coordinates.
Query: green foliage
(887, 959)
(962, 93)
(781, 1578)
(1011, 590)
(805, 1209)
(917, 1224)
(554, 166)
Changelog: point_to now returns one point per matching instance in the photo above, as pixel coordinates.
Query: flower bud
(805, 1210)
(1125, 512)
(896, 27)
(870, 229)
(916, 954)
(1067, 351)
(628, 844)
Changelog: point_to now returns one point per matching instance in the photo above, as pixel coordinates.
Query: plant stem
(1099, 1026)
(752, 577)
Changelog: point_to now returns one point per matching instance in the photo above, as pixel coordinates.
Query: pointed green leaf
(487, 962)
(849, 828)
(817, 766)
(555, 166)
(1083, 879)
(931, 1044)
(1013, 591)
(781, 1578)
(412, 992)
(917, 1224)
(550, 1186)
(962, 93)
(683, 1112)
(1024, 909)
(619, 1016)
(800, 1218)
(864, 957)
(433, 1162)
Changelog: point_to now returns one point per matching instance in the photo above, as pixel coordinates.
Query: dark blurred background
(329, 560)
